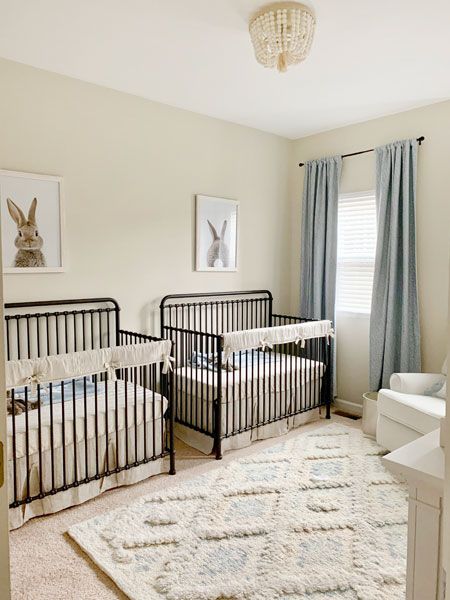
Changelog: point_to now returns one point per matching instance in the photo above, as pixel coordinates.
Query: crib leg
(172, 469)
(218, 416)
(218, 449)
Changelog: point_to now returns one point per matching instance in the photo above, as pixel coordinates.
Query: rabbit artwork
(218, 253)
(28, 241)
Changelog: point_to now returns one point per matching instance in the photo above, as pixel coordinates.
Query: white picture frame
(217, 232)
(22, 188)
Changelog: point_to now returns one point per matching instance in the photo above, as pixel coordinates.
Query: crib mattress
(257, 375)
(84, 420)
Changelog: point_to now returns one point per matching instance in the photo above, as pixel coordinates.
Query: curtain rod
(419, 139)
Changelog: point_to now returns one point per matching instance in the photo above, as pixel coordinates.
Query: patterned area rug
(313, 517)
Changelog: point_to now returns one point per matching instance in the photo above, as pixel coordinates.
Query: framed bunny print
(32, 222)
(216, 233)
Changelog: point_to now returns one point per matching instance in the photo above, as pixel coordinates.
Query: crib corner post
(218, 426)
(218, 404)
(167, 388)
(330, 377)
(172, 468)
(270, 324)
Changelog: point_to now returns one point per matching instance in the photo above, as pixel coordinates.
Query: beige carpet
(47, 565)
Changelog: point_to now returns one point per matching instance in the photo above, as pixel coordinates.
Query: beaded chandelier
(282, 34)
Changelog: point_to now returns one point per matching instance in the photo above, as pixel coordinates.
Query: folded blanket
(235, 362)
(59, 388)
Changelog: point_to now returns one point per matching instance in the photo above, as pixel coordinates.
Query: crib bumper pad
(34, 371)
(267, 337)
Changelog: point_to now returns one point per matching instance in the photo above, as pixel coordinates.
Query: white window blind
(357, 231)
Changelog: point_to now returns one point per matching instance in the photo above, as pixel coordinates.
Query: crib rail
(217, 313)
(194, 404)
(31, 332)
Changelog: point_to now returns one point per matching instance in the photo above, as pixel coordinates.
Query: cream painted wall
(446, 442)
(131, 168)
(433, 224)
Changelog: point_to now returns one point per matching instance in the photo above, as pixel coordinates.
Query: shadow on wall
(149, 317)
(352, 331)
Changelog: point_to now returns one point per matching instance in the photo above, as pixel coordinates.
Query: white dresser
(421, 464)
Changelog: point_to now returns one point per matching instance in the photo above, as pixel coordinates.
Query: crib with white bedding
(277, 374)
(88, 404)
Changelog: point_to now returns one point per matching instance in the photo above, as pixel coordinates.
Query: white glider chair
(412, 407)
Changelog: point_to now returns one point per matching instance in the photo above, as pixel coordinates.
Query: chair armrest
(414, 383)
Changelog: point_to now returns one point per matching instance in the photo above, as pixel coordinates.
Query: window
(357, 234)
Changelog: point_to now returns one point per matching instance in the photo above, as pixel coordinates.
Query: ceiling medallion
(282, 34)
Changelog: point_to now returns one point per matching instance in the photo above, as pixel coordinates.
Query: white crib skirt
(96, 453)
(205, 444)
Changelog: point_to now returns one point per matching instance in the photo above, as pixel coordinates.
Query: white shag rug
(313, 517)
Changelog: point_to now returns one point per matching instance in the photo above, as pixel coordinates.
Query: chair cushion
(421, 413)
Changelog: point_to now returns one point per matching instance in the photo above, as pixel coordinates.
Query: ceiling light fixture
(282, 34)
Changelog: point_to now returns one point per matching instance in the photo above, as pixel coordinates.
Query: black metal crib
(81, 430)
(261, 387)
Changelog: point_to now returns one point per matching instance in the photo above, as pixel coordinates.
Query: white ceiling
(369, 58)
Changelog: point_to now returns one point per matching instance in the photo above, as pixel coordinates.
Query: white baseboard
(353, 408)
